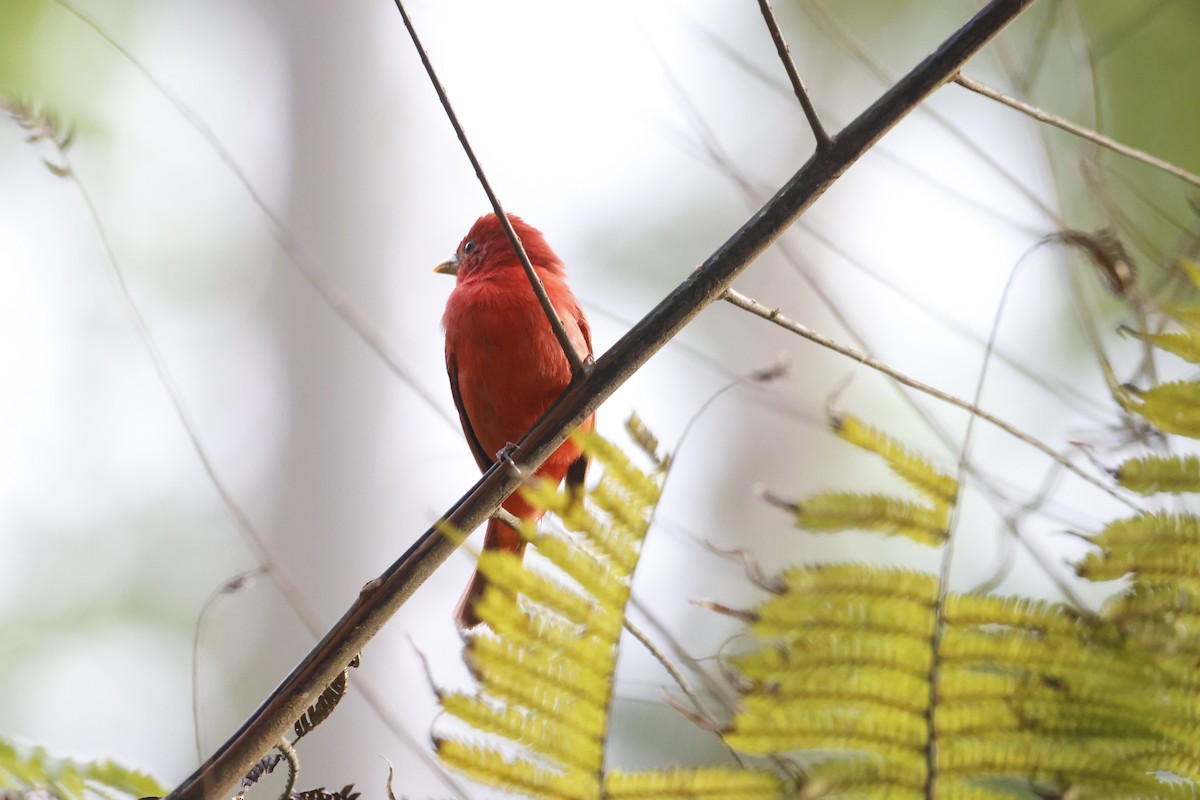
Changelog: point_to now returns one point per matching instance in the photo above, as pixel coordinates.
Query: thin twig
(381, 598)
(785, 56)
(234, 584)
(774, 315)
(1078, 130)
(577, 361)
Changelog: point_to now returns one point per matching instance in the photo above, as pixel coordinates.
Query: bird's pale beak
(449, 267)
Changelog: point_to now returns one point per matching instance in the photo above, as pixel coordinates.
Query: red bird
(505, 364)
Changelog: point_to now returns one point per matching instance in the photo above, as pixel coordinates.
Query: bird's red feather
(505, 364)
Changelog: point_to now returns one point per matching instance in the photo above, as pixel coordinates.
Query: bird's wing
(482, 458)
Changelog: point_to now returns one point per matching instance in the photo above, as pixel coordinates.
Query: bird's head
(486, 248)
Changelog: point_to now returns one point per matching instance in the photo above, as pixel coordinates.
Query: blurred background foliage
(638, 137)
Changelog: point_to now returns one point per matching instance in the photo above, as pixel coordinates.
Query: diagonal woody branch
(380, 599)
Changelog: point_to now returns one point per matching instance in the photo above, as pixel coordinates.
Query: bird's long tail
(498, 537)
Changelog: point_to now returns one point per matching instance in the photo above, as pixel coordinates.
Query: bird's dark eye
(468, 245)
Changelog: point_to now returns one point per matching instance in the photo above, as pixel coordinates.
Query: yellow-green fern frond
(1022, 613)
(1157, 548)
(1023, 690)
(1170, 531)
(936, 485)
(862, 778)
(1185, 344)
(1171, 407)
(842, 664)
(1159, 614)
(1154, 474)
(792, 613)
(863, 579)
(1190, 269)
(840, 511)
(1094, 767)
(710, 783)
(507, 574)
(825, 648)
(1163, 618)
(568, 748)
(545, 665)
(1186, 315)
(926, 523)
(490, 767)
(34, 769)
(593, 574)
(647, 442)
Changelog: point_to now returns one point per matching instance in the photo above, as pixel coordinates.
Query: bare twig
(234, 584)
(785, 322)
(382, 597)
(574, 358)
(785, 56)
(1078, 130)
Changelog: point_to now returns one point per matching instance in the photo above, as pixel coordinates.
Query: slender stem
(785, 56)
(574, 358)
(234, 584)
(382, 597)
(1078, 130)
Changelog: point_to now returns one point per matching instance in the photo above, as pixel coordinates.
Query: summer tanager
(505, 364)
